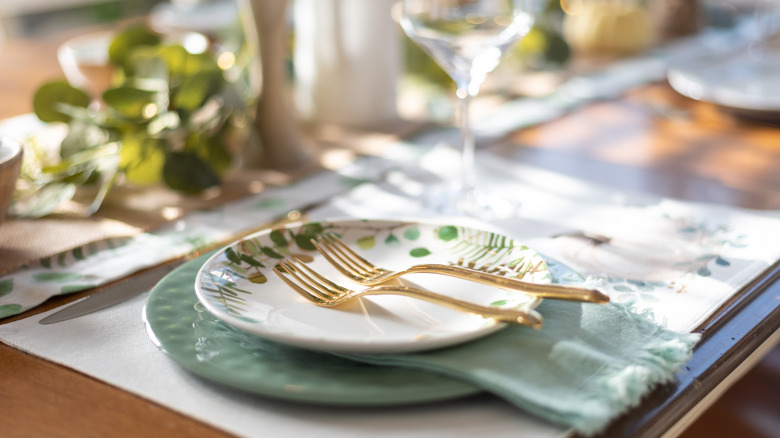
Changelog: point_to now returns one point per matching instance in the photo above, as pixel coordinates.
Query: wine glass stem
(468, 172)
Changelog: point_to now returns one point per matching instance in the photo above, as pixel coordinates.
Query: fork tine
(295, 286)
(335, 258)
(345, 249)
(325, 284)
(338, 258)
(322, 291)
(346, 254)
(311, 286)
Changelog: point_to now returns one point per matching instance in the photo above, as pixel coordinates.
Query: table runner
(119, 218)
(126, 211)
(714, 251)
(661, 250)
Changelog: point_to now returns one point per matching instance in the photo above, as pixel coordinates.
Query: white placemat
(711, 252)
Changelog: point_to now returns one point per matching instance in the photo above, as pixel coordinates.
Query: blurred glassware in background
(607, 27)
(210, 17)
(26, 18)
(468, 40)
(85, 59)
(676, 18)
(744, 82)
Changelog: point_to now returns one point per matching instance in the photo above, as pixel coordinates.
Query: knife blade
(121, 291)
(138, 283)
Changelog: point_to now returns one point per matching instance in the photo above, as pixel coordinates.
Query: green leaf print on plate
(367, 242)
(239, 287)
(412, 233)
(448, 232)
(419, 252)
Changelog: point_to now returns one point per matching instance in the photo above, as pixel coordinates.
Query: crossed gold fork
(321, 291)
(361, 271)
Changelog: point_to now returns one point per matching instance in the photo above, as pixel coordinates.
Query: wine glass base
(453, 199)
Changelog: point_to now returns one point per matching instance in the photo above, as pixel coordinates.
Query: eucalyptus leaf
(251, 261)
(165, 121)
(303, 241)
(232, 256)
(75, 112)
(79, 167)
(211, 150)
(270, 252)
(177, 60)
(42, 202)
(108, 170)
(128, 101)
(142, 158)
(82, 135)
(146, 63)
(188, 173)
(277, 237)
(313, 228)
(182, 63)
(197, 88)
(132, 37)
(49, 96)
(170, 118)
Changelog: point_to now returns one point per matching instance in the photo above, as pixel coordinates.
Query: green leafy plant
(168, 118)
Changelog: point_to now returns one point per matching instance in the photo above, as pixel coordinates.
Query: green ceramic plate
(206, 346)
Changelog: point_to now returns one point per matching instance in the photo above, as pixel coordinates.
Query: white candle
(347, 61)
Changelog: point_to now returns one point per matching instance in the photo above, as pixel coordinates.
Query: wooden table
(695, 152)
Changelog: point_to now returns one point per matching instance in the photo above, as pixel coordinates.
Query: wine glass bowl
(84, 59)
(468, 38)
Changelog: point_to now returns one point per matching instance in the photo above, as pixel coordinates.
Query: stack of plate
(228, 317)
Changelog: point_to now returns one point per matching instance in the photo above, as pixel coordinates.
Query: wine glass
(467, 38)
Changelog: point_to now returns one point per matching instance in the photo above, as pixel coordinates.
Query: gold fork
(321, 291)
(363, 272)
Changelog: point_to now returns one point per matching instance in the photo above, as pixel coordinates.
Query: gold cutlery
(361, 271)
(323, 292)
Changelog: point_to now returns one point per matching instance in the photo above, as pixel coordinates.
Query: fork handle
(552, 291)
(514, 316)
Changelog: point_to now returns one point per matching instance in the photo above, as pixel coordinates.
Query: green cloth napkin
(588, 363)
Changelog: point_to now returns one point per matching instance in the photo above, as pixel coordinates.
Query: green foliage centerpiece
(169, 117)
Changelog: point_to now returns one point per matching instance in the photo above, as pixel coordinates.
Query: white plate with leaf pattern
(237, 285)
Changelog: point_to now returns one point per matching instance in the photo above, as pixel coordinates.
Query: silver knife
(114, 294)
(136, 284)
